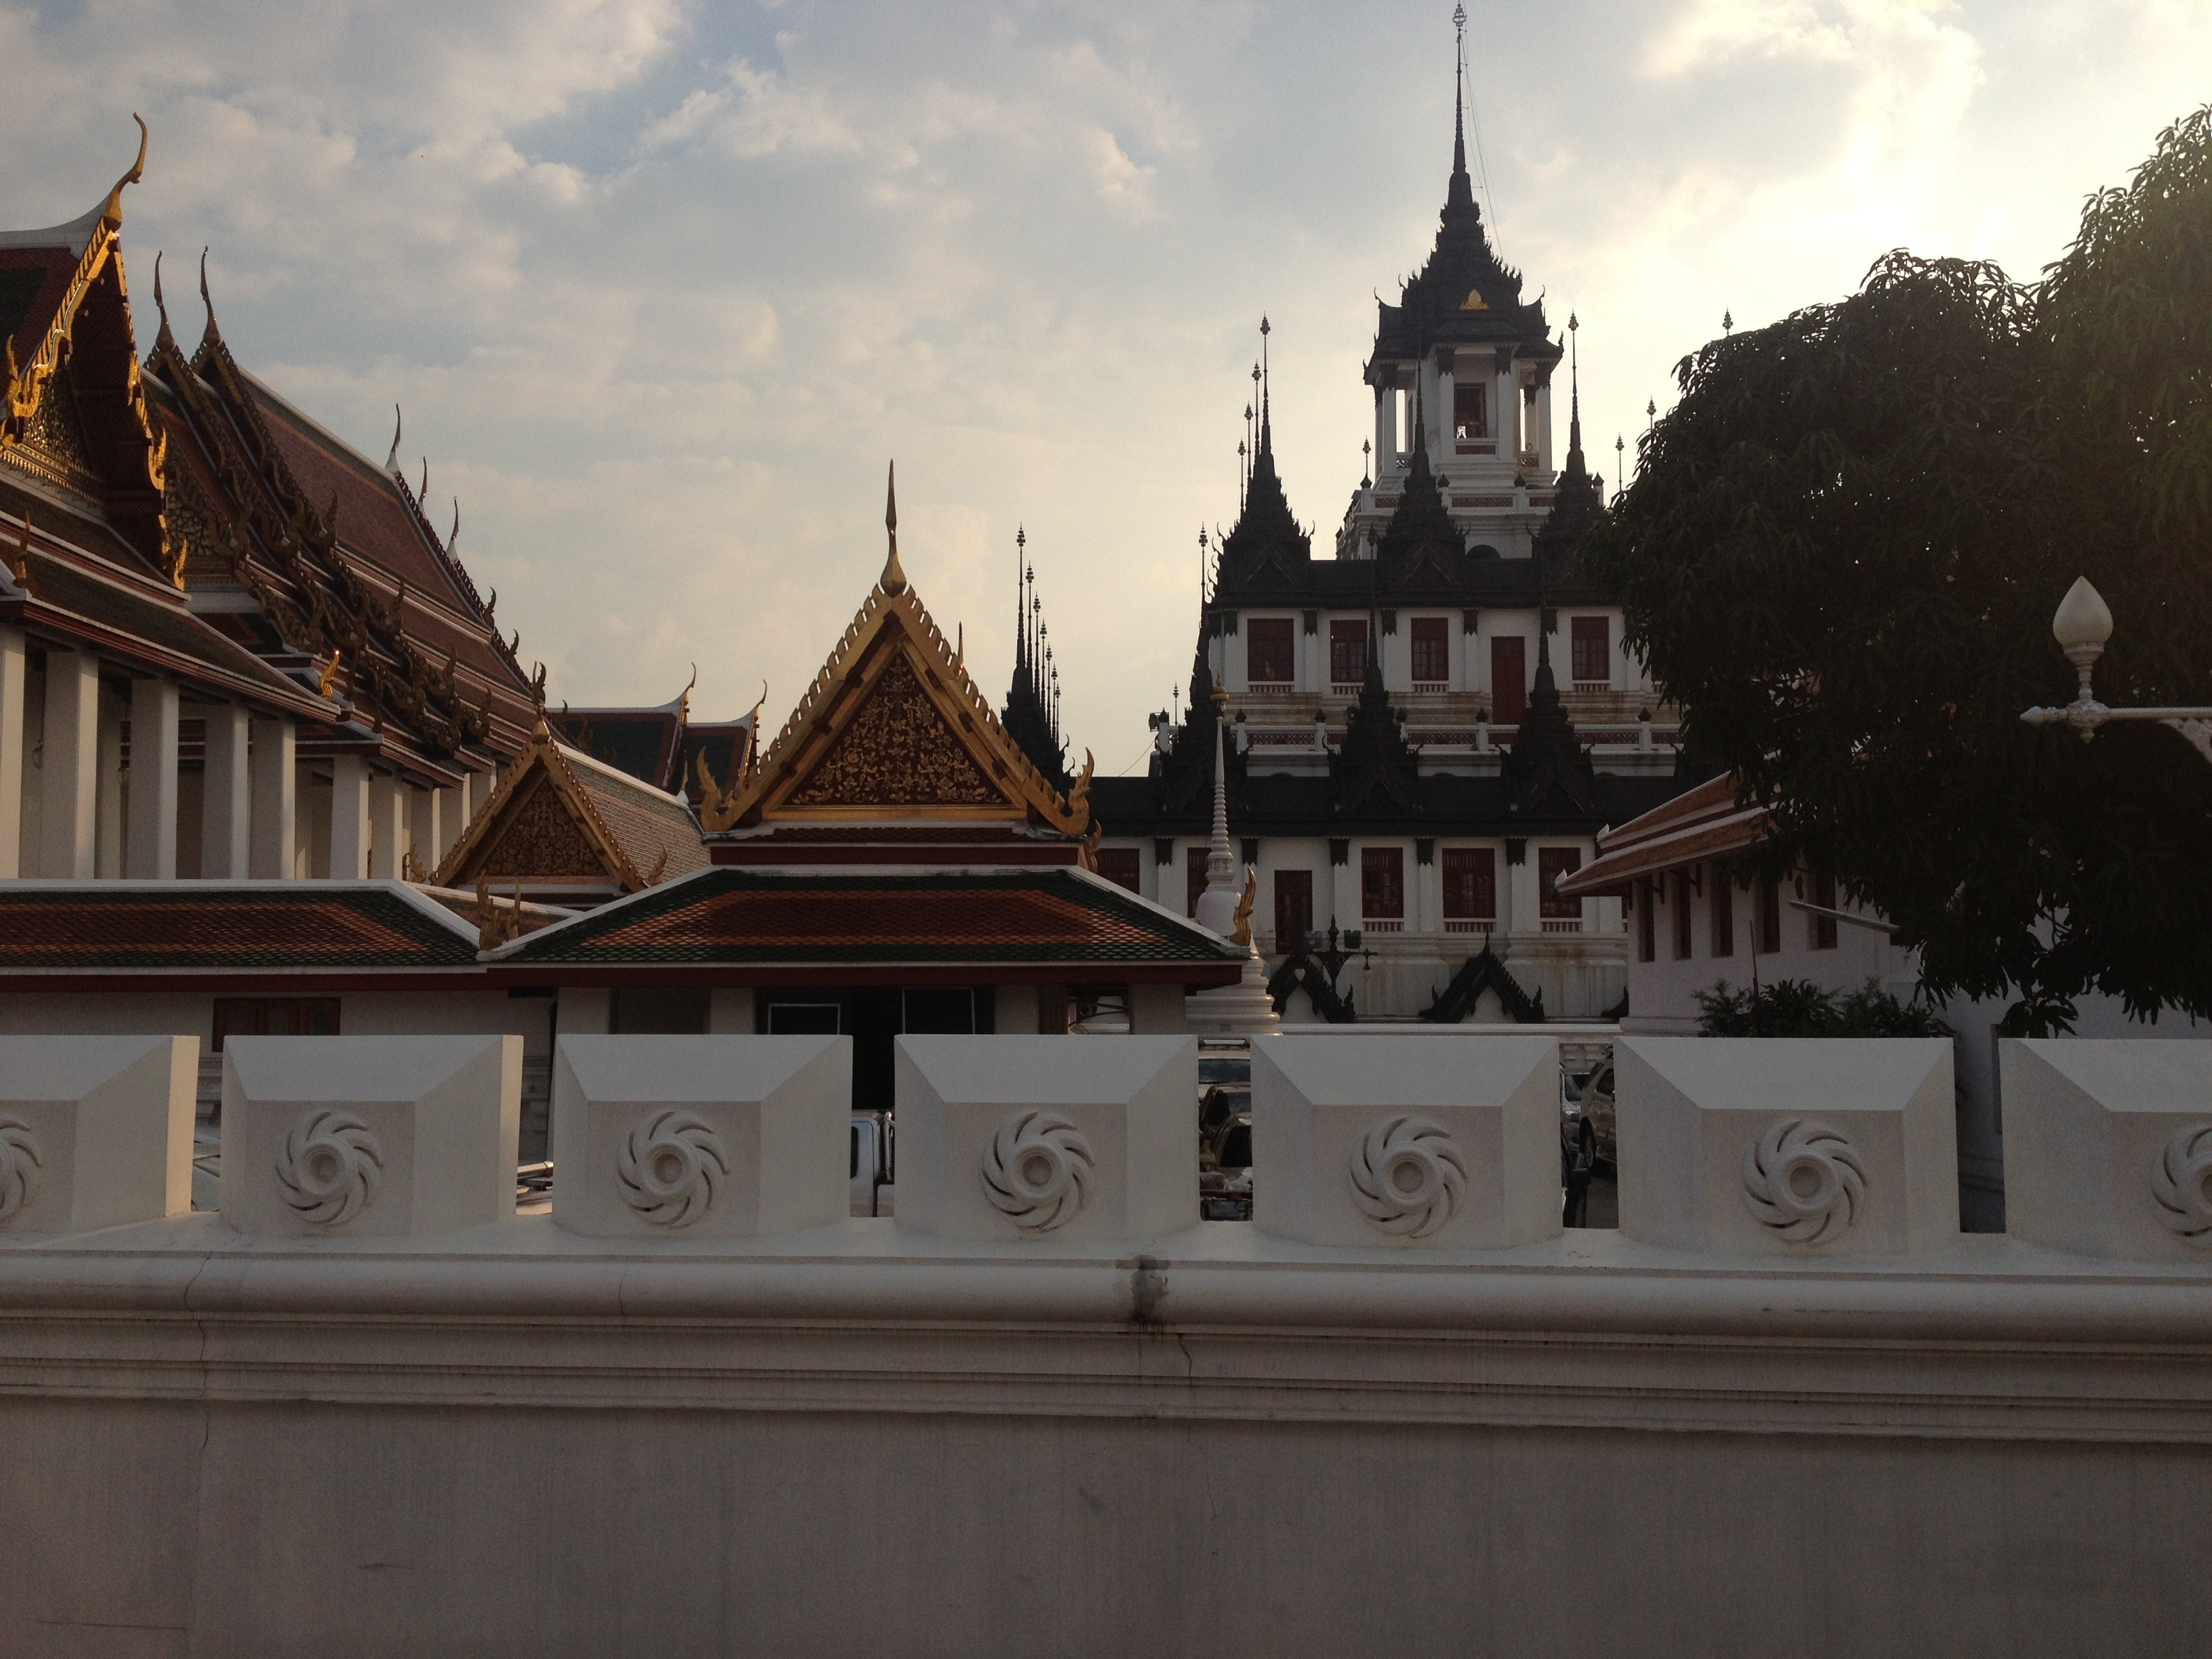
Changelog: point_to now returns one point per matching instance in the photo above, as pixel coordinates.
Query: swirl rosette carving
(1407, 1178)
(671, 1168)
(1804, 1179)
(328, 1166)
(2180, 1185)
(1037, 1171)
(21, 1167)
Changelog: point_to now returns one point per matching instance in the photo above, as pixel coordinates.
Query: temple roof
(1266, 532)
(893, 728)
(1064, 919)
(1703, 822)
(559, 818)
(302, 927)
(1464, 295)
(1548, 771)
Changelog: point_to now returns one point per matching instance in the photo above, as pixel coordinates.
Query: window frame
(1433, 632)
(1389, 862)
(1509, 695)
(1343, 630)
(1555, 909)
(1257, 629)
(1577, 630)
(1287, 883)
(1479, 865)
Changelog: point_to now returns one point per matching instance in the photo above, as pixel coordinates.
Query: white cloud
(662, 283)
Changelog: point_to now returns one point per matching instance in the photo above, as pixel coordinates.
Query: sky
(662, 286)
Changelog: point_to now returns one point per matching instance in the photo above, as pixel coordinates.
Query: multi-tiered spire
(1031, 715)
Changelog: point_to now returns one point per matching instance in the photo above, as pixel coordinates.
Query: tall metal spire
(1462, 193)
(1267, 434)
(1575, 387)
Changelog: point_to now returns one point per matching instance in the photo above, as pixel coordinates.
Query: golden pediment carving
(898, 751)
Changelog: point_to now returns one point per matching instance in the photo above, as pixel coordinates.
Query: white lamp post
(2081, 627)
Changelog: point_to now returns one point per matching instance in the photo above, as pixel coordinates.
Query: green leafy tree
(1799, 1008)
(1841, 556)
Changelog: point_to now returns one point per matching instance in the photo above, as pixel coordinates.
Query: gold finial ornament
(1243, 934)
(329, 676)
(114, 211)
(894, 577)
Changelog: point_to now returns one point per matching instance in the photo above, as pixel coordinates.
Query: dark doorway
(871, 1015)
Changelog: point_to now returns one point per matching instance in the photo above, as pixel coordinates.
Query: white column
(1505, 421)
(1447, 409)
(348, 818)
(13, 740)
(107, 804)
(226, 795)
(70, 741)
(153, 833)
(272, 774)
(1521, 896)
(425, 808)
(452, 819)
(387, 825)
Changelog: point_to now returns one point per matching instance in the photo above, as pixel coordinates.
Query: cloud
(662, 284)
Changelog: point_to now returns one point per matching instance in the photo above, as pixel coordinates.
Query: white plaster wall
(361, 1013)
(1661, 993)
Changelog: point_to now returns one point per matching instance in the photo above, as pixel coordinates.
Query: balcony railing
(1383, 924)
(1563, 924)
(1470, 924)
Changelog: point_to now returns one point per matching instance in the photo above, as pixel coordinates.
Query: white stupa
(1243, 1009)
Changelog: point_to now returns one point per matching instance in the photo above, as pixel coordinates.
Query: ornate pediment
(559, 816)
(892, 727)
(541, 837)
(898, 751)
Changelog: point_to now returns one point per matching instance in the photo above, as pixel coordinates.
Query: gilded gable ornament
(898, 751)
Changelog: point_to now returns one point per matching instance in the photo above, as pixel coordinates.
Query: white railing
(695, 1366)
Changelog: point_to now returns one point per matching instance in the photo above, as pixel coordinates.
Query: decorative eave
(138, 492)
(337, 619)
(890, 625)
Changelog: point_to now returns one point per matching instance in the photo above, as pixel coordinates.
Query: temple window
(1382, 884)
(1723, 913)
(1293, 908)
(1470, 889)
(1509, 679)
(1270, 653)
(1347, 653)
(1471, 412)
(1193, 877)
(1824, 899)
(1592, 652)
(1684, 915)
(1119, 865)
(1554, 866)
(1431, 653)
(1770, 914)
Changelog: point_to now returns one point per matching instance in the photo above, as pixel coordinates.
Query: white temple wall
(514, 1438)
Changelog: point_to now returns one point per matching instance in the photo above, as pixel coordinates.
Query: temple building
(1428, 730)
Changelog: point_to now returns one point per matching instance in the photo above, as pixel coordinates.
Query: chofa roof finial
(212, 331)
(114, 211)
(894, 576)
